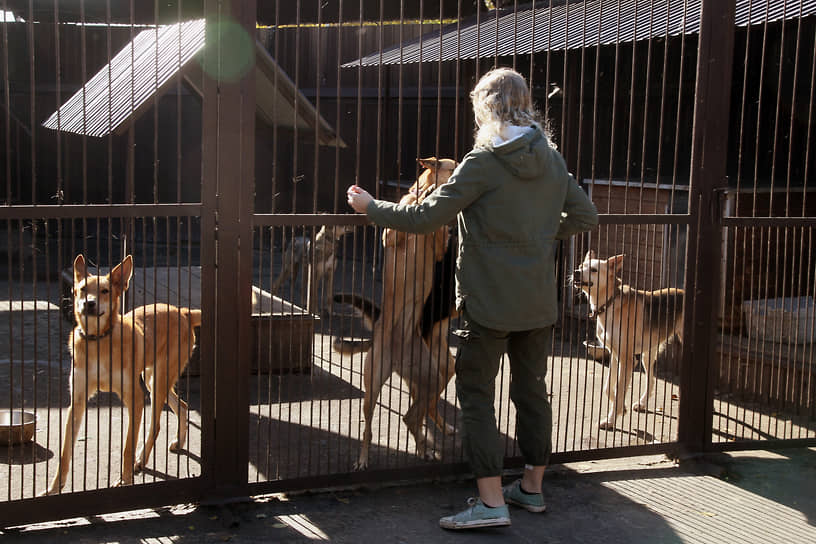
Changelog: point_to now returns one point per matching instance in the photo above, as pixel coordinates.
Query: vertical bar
(228, 173)
(708, 162)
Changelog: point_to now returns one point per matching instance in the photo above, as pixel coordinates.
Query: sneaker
(477, 515)
(514, 495)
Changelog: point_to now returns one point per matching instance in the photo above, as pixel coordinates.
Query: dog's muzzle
(578, 282)
(89, 307)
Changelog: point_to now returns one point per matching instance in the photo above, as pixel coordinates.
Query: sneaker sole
(528, 507)
(475, 524)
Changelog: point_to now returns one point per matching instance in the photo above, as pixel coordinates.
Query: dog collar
(95, 336)
(602, 308)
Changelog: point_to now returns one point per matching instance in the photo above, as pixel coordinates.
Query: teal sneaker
(514, 495)
(477, 514)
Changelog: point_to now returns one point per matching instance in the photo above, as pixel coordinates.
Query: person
(513, 198)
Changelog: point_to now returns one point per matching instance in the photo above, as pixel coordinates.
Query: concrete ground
(764, 497)
(754, 497)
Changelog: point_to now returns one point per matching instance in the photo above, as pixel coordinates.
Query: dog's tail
(348, 346)
(363, 308)
(194, 316)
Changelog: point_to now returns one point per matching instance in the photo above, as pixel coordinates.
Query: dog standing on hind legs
(111, 351)
(628, 322)
(397, 344)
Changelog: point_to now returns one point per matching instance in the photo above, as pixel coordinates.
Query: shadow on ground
(581, 510)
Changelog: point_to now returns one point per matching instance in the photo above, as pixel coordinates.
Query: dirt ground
(308, 424)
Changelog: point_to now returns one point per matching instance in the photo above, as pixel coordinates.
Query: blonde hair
(501, 98)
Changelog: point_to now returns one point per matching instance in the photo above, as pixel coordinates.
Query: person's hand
(358, 198)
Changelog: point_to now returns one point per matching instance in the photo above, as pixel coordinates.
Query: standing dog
(397, 344)
(319, 258)
(628, 322)
(111, 352)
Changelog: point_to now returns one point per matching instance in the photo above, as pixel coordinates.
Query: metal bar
(209, 233)
(351, 219)
(708, 161)
(234, 122)
(766, 222)
(97, 211)
(442, 470)
(100, 501)
(773, 444)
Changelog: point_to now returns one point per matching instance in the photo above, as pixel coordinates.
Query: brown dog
(397, 345)
(628, 322)
(110, 352)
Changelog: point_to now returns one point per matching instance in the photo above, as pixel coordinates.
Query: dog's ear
(589, 255)
(80, 269)
(121, 274)
(447, 164)
(616, 261)
(431, 163)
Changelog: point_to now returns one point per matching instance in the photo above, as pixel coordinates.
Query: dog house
(654, 253)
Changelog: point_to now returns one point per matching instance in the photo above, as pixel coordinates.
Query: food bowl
(595, 350)
(16, 426)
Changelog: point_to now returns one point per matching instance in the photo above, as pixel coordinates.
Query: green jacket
(512, 203)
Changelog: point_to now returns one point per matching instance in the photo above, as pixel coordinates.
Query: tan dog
(397, 345)
(110, 352)
(628, 322)
(318, 258)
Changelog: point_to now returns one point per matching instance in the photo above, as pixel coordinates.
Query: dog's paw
(54, 488)
(360, 465)
(445, 428)
(175, 446)
(137, 467)
(606, 425)
(639, 407)
(432, 455)
(122, 482)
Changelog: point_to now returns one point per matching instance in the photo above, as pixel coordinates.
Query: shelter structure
(145, 68)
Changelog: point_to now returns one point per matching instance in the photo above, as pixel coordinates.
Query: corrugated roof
(131, 78)
(122, 89)
(574, 25)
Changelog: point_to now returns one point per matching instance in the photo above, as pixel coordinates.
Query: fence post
(228, 176)
(709, 155)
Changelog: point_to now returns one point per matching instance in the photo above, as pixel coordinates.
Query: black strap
(95, 336)
(602, 308)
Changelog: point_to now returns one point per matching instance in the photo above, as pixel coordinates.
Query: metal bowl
(16, 426)
(595, 350)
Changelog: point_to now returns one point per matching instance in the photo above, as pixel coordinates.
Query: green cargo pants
(477, 364)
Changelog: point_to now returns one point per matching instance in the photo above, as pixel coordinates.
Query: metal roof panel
(129, 80)
(121, 89)
(574, 25)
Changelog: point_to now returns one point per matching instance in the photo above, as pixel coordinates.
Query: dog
(110, 352)
(319, 258)
(628, 322)
(397, 344)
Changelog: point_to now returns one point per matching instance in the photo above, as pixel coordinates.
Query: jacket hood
(525, 153)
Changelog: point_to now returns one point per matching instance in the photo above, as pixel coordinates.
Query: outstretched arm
(358, 198)
(439, 208)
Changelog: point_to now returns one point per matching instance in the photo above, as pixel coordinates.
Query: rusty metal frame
(229, 138)
(708, 163)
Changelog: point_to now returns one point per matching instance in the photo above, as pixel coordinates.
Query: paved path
(752, 497)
